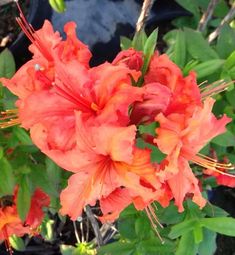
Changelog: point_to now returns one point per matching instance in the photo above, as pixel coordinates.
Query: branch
(207, 15)
(147, 5)
(94, 225)
(226, 19)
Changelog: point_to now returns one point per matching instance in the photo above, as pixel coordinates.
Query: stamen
(9, 118)
(6, 241)
(31, 34)
(211, 164)
(214, 88)
(154, 221)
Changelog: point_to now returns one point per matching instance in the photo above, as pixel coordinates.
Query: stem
(94, 225)
(147, 5)
(226, 19)
(76, 232)
(207, 15)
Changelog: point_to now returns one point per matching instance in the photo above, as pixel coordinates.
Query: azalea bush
(128, 150)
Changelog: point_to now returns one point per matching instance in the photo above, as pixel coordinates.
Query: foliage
(190, 232)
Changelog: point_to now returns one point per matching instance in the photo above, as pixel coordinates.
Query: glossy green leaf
(230, 61)
(6, 174)
(126, 227)
(148, 129)
(125, 43)
(153, 246)
(208, 245)
(226, 139)
(149, 48)
(198, 47)
(182, 228)
(222, 225)
(190, 5)
(198, 234)
(22, 135)
(187, 245)
(139, 40)
(7, 64)
(170, 214)
(179, 53)
(58, 5)
(225, 43)
(23, 197)
(117, 248)
(214, 211)
(54, 174)
(40, 178)
(142, 227)
(208, 67)
(17, 243)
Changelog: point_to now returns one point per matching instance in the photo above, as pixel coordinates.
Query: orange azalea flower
(185, 91)
(181, 137)
(104, 160)
(132, 58)
(10, 222)
(103, 94)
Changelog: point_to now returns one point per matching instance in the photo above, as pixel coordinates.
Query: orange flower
(132, 58)
(185, 91)
(10, 222)
(104, 160)
(181, 137)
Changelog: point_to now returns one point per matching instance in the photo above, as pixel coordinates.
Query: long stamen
(9, 118)
(211, 164)
(214, 88)
(31, 34)
(7, 242)
(153, 220)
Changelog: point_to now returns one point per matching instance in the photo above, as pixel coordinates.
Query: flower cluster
(88, 119)
(10, 221)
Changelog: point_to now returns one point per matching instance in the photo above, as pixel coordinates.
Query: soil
(9, 29)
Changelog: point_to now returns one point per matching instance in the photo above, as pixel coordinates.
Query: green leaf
(208, 245)
(39, 178)
(22, 135)
(198, 47)
(148, 129)
(7, 64)
(222, 225)
(53, 173)
(139, 40)
(179, 53)
(230, 61)
(117, 248)
(142, 227)
(125, 43)
(170, 214)
(190, 5)
(6, 177)
(214, 211)
(149, 48)
(153, 246)
(230, 95)
(225, 43)
(187, 245)
(208, 67)
(126, 227)
(156, 154)
(58, 5)
(23, 198)
(17, 243)
(182, 228)
(226, 139)
(198, 234)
